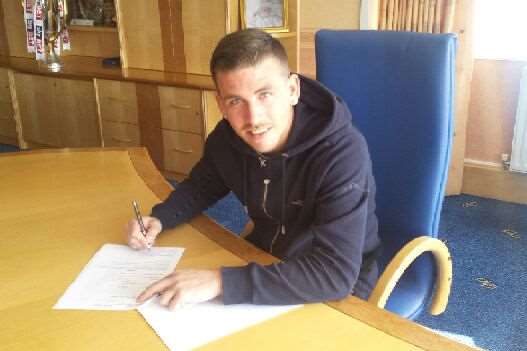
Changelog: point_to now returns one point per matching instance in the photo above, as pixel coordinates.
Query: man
(288, 151)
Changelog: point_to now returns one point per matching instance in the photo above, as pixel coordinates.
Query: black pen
(139, 218)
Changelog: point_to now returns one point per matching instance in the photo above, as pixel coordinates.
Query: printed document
(116, 275)
(191, 326)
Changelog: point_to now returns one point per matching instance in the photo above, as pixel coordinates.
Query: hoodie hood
(317, 115)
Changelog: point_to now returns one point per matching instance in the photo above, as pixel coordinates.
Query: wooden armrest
(247, 229)
(403, 259)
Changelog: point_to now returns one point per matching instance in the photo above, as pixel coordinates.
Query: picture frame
(268, 15)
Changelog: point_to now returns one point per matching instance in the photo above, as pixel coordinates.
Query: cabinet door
(120, 134)
(175, 36)
(77, 113)
(57, 112)
(181, 151)
(38, 114)
(117, 101)
(8, 132)
(181, 109)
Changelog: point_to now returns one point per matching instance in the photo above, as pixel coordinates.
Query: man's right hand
(135, 239)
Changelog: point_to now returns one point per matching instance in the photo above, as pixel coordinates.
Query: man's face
(258, 103)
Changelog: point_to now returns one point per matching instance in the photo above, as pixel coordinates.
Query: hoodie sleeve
(330, 269)
(200, 190)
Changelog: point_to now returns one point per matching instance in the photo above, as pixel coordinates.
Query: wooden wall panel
(204, 24)
(173, 38)
(316, 14)
(180, 35)
(173, 35)
(149, 112)
(336, 14)
(463, 27)
(4, 47)
(16, 35)
(140, 34)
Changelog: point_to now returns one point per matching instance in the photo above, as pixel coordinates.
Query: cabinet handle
(188, 151)
(112, 98)
(121, 140)
(4, 118)
(182, 107)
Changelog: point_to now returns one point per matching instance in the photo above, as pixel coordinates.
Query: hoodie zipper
(274, 238)
(280, 228)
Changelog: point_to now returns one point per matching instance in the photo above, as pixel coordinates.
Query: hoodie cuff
(237, 286)
(168, 217)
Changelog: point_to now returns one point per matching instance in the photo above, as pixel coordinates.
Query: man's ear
(294, 88)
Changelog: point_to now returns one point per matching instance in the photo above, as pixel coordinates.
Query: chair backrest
(399, 89)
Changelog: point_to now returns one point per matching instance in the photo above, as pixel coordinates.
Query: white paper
(116, 275)
(194, 325)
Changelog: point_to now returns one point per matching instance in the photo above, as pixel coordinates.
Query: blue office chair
(399, 89)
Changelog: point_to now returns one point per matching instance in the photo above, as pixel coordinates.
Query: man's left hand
(185, 286)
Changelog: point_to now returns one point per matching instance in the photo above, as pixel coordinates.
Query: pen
(139, 218)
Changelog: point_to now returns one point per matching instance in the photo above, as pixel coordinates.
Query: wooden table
(58, 207)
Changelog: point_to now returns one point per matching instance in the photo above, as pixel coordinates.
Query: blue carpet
(8, 148)
(488, 242)
(230, 213)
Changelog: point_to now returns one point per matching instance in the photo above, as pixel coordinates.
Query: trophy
(46, 30)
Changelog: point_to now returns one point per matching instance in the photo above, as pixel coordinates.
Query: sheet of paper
(116, 275)
(192, 326)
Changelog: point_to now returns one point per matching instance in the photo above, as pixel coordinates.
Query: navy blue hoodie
(312, 204)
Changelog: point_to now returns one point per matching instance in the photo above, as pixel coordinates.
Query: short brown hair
(246, 48)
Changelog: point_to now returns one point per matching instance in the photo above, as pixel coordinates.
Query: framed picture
(268, 15)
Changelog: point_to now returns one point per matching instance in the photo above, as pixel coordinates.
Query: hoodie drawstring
(245, 184)
(281, 226)
(284, 179)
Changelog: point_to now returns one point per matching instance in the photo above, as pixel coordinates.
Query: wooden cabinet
(181, 109)
(56, 112)
(171, 122)
(8, 129)
(117, 101)
(162, 98)
(117, 108)
(181, 151)
(182, 123)
(176, 36)
(120, 134)
(38, 114)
